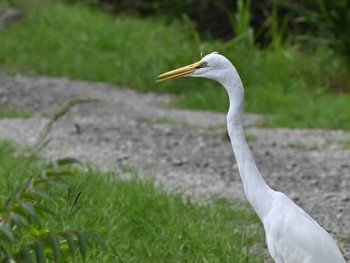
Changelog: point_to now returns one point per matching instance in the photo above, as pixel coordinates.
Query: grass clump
(13, 113)
(140, 222)
(346, 144)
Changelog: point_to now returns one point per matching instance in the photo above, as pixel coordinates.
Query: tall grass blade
(82, 244)
(38, 248)
(7, 232)
(40, 194)
(59, 113)
(24, 256)
(71, 244)
(59, 174)
(74, 204)
(66, 161)
(55, 244)
(68, 198)
(41, 209)
(29, 209)
(3, 252)
(19, 220)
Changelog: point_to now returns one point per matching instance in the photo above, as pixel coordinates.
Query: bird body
(292, 236)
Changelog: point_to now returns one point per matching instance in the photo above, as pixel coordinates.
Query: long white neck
(254, 185)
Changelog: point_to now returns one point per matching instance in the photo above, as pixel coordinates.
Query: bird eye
(204, 64)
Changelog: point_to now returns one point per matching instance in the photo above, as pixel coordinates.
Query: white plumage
(292, 236)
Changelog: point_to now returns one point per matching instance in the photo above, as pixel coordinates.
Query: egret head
(212, 66)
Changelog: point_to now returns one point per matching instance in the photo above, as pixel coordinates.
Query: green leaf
(82, 244)
(24, 255)
(7, 232)
(39, 251)
(43, 209)
(29, 196)
(65, 161)
(9, 203)
(54, 175)
(3, 251)
(53, 183)
(34, 231)
(68, 161)
(19, 220)
(59, 174)
(74, 204)
(41, 194)
(68, 198)
(71, 244)
(55, 244)
(18, 209)
(98, 241)
(29, 209)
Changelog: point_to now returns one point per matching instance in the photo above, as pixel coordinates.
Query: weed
(277, 27)
(25, 204)
(346, 144)
(13, 113)
(240, 23)
(250, 137)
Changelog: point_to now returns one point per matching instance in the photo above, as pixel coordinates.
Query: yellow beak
(178, 73)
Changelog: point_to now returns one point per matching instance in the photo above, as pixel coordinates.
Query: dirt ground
(184, 150)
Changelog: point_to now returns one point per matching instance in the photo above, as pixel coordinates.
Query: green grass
(250, 137)
(291, 87)
(346, 144)
(170, 121)
(13, 113)
(84, 44)
(140, 222)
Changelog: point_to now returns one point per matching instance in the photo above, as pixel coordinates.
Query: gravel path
(185, 150)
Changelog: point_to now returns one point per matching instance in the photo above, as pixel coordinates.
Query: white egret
(292, 236)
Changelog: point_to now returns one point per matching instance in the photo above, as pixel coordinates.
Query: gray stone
(9, 16)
